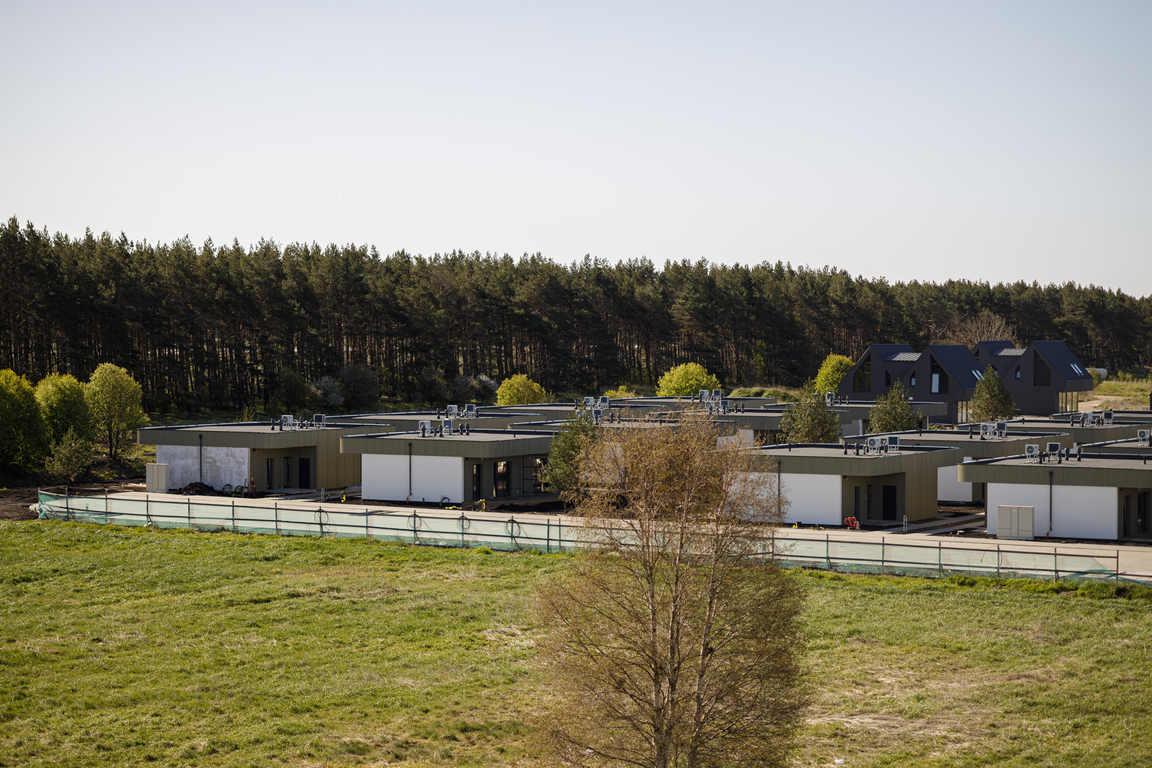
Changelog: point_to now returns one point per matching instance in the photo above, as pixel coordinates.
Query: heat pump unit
(894, 442)
(1144, 435)
(829, 399)
(452, 411)
(703, 394)
(589, 402)
(1053, 448)
(320, 420)
(605, 402)
(447, 425)
(1107, 417)
(1002, 428)
(425, 427)
(717, 394)
(470, 411)
(287, 420)
(987, 430)
(597, 414)
(1032, 452)
(875, 443)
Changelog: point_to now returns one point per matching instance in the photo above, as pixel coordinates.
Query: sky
(992, 141)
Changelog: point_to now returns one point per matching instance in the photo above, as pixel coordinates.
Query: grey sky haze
(985, 141)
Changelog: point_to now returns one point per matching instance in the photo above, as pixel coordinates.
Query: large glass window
(501, 478)
(1041, 373)
(862, 380)
(939, 379)
(1142, 512)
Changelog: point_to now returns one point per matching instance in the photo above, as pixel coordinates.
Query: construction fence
(554, 534)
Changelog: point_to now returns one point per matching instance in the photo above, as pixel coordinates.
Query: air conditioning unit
(605, 402)
(829, 399)
(320, 420)
(876, 444)
(1032, 452)
(704, 394)
(717, 394)
(447, 424)
(987, 430)
(452, 411)
(597, 414)
(425, 427)
(470, 411)
(894, 442)
(1002, 428)
(1144, 435)
(287, 420)
(589, 402)
(725, 406)
(1107, 417)
(1085, 418)
(1053, 448)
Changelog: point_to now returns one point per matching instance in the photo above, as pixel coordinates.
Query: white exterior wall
(813, 499)
(948, 487)
(433, 477)
(222, 466)
(1078, 512)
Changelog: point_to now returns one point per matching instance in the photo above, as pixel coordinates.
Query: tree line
(229, 327)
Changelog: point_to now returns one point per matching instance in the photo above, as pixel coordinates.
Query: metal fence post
(997, 561)
(940, 557)
(827, 553)
(276, 516)
(367, 535)
(548, 537)
(189, 498)
(881, 554)
(512, 532)
(463, 544)
(1055, 565)
(233, 514)
(414, 539)
(147, 511)
(320, 521)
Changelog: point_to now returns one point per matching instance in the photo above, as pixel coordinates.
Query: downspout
(1049, 503)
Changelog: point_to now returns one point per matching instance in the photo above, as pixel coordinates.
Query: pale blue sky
(993, 141)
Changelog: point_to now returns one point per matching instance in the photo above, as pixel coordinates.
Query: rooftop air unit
(452, 411)
(589, 402)
(1002, 428)
(1032, 452)
(876, 444)
(987, 431)
(1144, 436)
(1107, 417)
(447, 426)
(1084, 419)
(717, 394)
(470, 411)
(704, 394)
(597, 414)
(320, 420)
(725, 406)
(425, 428)
(605, 402)
(1053, 448)
(286, 420)
(894, 443)
(829, 399)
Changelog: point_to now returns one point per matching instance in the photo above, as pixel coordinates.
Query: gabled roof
(995, 347)
(889, 352)
(960, 363)
(1066, 364)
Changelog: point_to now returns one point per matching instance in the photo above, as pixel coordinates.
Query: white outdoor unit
(703, 394)
(447, 425)
(425, 427)
(987, 430)
(452, 411)
(1015, 522)
(605, 402)
(876, 444)
(1002, 428)
(1107, 417)
(829, 399)
(320, 419)
(1144, 435)
(1032, 452)
(894, 442)
(717, 394)
(589, 402)
(287, 420)
(470, 411)
(1053, 448)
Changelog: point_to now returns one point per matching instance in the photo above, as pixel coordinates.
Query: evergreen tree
(808, 420)
(561, 473)
(991, 401)
(892, 411)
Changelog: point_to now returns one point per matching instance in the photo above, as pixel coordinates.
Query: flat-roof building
(970, 444)
(435, 467)
(1084, 496)
(828, 483)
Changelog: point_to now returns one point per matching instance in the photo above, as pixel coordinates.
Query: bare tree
(675, 639)
(986, 326)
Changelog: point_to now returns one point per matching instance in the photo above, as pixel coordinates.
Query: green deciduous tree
(62, 404)
(832, 372)
(114, 398)
(23, 438)
(808, 420)
(991, 401)
(892, 411)
(520, 390)
(672, 641)
(69, 457)
(686, 379)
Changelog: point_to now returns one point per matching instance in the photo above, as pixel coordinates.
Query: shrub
(69, 457)
(620, 393)
(63, 407)
(832, 372)
(520, 390)
(23, 441)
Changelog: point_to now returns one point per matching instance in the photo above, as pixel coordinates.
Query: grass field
(136, 647)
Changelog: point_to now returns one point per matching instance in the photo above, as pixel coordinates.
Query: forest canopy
(219, 326)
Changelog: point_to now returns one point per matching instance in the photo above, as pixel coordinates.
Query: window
(862, 379)
(1041, 373)
(887, 379)
(1142, 512)
(1017, 371)
(912, 381)
(538, 475)
(939, 379)
(979, 376)
(501, 478)
(477, 482)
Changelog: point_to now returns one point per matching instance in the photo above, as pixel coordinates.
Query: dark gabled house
(942, 373)
(1043, 378)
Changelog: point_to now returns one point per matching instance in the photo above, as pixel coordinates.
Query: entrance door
(287, 472)
(889, 502)
(270, 480)
(477, 482)
(305, 473)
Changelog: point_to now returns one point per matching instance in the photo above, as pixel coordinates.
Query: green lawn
(130, 647)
